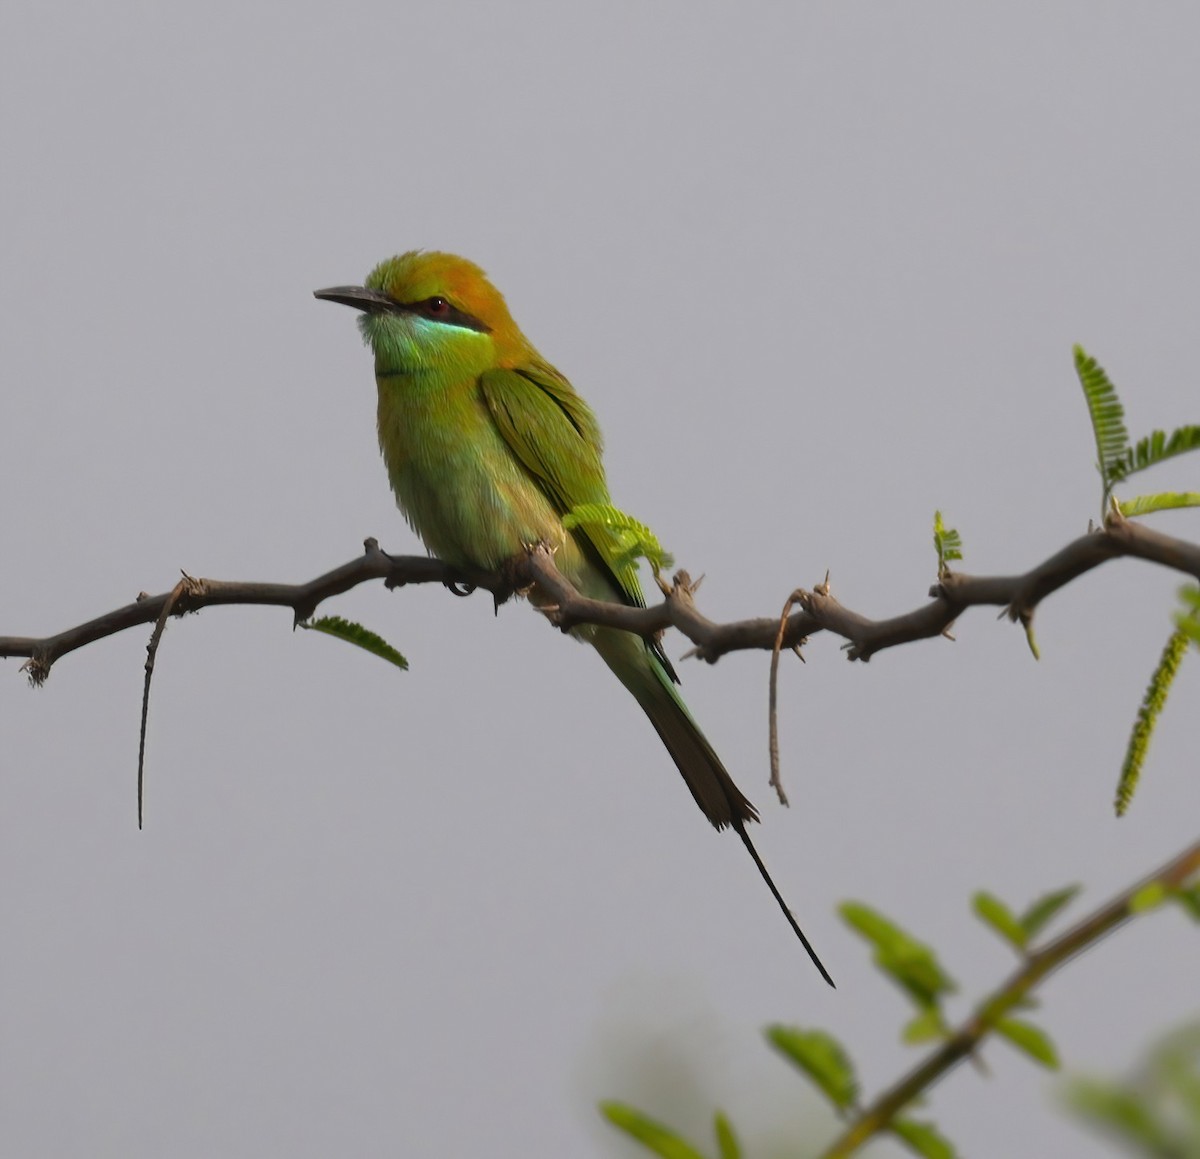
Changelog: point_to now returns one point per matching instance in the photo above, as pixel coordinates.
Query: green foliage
(1116, 459)
(1155, 1112)
(923, 1139)
(1149, 897)
(1165, 501)
(652, 1135)
(1189, 898)
(356, 634)
(1188, 620)
(1030, 1039)
(1155, 448)
(635, 540)
(911, 964)
(826, 1063)
(1159, 1112)
(993, 912)
(924, 1027)
(822, 1058)
(1039, 914)
(1107, 415)
(727, 1144)
(1152, 705)
(947, 543)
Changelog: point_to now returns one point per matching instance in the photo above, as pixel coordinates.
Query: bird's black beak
(359, 297)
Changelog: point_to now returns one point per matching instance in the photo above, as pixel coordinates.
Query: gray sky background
(818, 268)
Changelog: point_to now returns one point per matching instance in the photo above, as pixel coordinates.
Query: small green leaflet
(923, 1139)
(992, 911)
(1031, 1039)
(925, 1027)
(727, 1144)
(1149, 897)
(1019, 931)
(1041, 911)
(1189, 898)
(636, 541)
(822, 1058)
(911, 964)
(652, 1135)
(947, 543)
(356, 634)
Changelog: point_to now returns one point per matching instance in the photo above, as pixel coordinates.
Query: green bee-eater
(487, 447)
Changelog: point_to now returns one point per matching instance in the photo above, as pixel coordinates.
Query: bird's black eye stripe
(438, 309)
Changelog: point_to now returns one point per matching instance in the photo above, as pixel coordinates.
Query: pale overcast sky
(818, 269)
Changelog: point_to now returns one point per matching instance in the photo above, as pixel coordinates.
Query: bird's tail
(722, 802)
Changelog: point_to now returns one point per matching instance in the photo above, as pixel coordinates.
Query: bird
(487, 448)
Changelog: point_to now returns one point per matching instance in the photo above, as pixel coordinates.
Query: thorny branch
(565, 607)
(954, 593)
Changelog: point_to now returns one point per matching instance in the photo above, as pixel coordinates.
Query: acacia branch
(875, 1118)
(820, 611)
(303, 599)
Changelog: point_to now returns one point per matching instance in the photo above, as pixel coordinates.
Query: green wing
(555, 436)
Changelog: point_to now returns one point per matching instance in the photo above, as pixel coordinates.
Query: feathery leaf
(356, 634)
(1107, 415)
(1164, 501)
(1147, 717)
(946, 542)
(1154, 448)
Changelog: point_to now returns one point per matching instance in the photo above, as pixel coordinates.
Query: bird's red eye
(437, 307)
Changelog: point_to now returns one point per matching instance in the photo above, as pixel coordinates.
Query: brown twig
(303, 600)
(1019, 595)
(776, 782)
(151, 654)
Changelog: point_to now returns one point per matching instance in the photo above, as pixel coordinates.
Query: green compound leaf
(1166, 501)
(1108, 418)
(822, 1058)
(1039, 914)
(1031, 1039)
(910, 963)
(993, 912)
(1155, 448)
(356, 634)
(923, 1139)
(1153, 703)
(634, 539)
(1188, 620)
(653, 1136)
(947, 543)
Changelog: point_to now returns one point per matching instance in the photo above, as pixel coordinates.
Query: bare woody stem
(953, 594)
